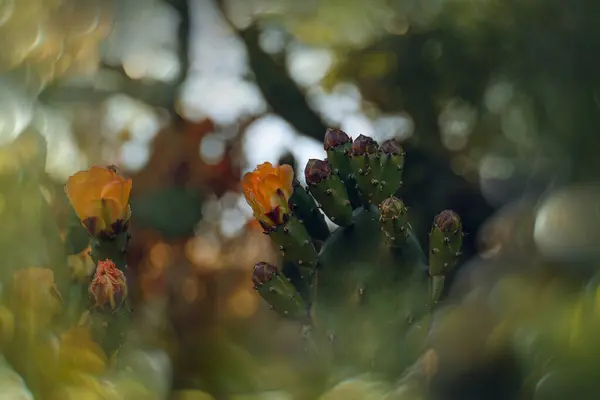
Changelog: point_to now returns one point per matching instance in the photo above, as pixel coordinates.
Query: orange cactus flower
(108, 285)
(267, 190)
(100, 198)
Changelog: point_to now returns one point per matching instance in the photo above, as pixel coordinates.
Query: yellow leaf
(34, 299)
(7, 325)
(79, 352)
(192, 395)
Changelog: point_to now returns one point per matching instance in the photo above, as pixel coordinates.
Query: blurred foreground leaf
(172, 211)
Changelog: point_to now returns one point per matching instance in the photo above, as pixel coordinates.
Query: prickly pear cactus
(364, 291)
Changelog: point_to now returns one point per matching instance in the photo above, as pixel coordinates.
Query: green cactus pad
(366, 295)
(445, 242)
(392, 165)
(436, 287)
(278, 292)
(305, 208)
(339, 160)
(394, 221)
(296, 246)
(114, 249)
(367, 173)
(338, 144)
(331, 195)
(327, 188)
(366, 167)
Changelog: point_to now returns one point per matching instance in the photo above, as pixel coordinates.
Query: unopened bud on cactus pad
(278, 292)
(445, 242)
(394, 221)
(329, 191)
(392, 165)
(262, 273)
(391, 147)
(334, 138)
(392, 207)
(366, 165)
(338, 145)
(364, 145)
(448, 222)
(316, 171)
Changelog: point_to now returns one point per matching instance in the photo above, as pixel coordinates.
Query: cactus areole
(370, 284)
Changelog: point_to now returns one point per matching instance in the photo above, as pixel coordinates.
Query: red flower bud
(262, 273)
(364, 145)
(391, 147)
(108, 286)
(392, 207)
(316, 171)
(447, 221)
(335, 137)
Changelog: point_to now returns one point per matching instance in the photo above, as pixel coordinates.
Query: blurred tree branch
(154, 93)
(280, 91)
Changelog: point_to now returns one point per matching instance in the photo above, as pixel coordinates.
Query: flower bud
(392, 207)
(327, 188)
(316, 171)
(262, 273)
(394, 221)
(278, 291)
(334, 138)
(109, 286)
(445, 242)
(448, 222)
(391, 147)
(364, 145)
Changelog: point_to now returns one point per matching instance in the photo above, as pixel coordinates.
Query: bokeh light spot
(243, 304)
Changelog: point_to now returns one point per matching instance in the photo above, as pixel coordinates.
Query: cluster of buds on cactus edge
(364, 290)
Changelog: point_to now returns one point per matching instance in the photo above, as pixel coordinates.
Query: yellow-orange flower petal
(267, 190)
(118, 191)
(100, 198)
(286, 172)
